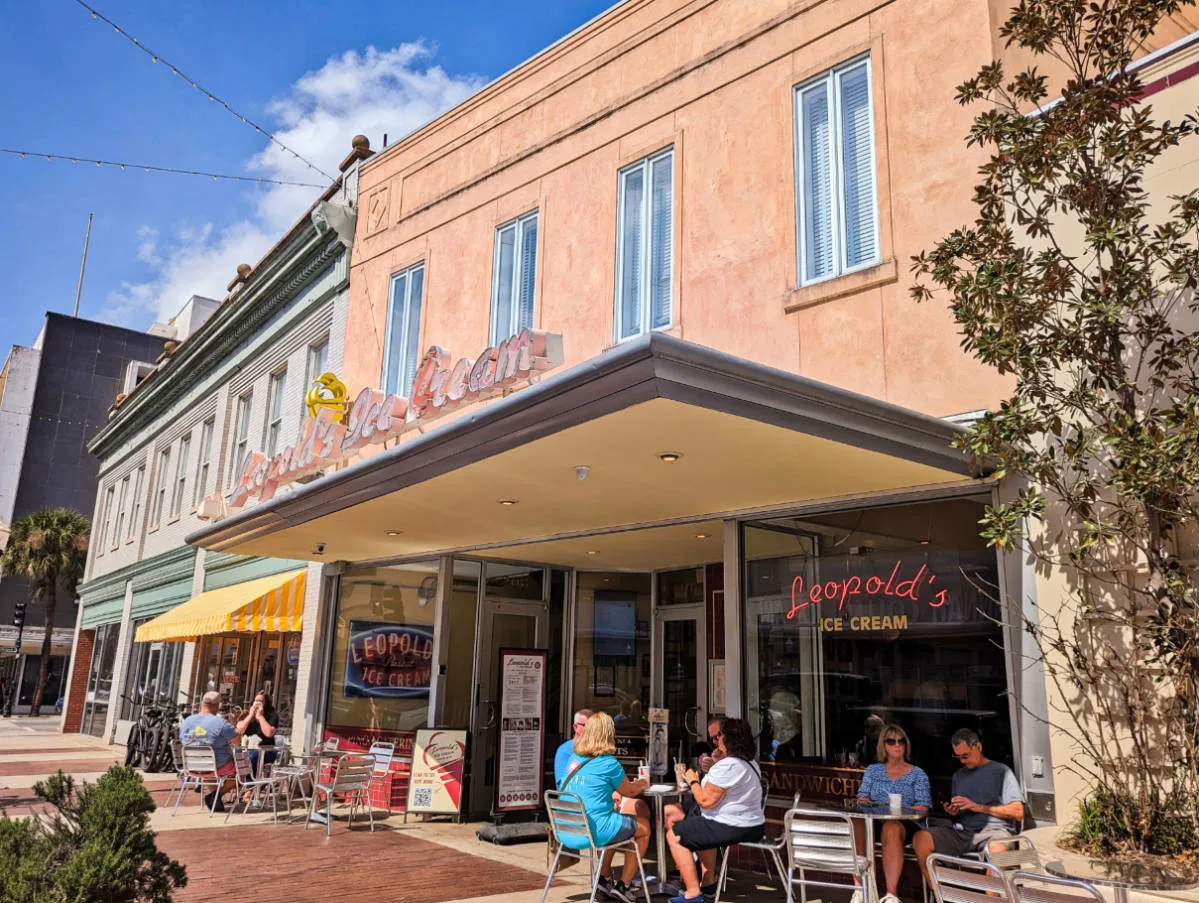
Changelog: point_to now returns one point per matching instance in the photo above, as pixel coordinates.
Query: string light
(154, 57)
(151, 168)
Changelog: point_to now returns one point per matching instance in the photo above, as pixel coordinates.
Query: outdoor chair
(958, 880)
(352, 778)
(772, 848)
(1030, 888)
(249, 786)
(568, 819)
(180, 773)
(384, 752)
(821, 841)
(1019, 854)
(199, 767)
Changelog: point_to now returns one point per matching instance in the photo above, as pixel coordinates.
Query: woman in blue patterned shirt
(892, 774)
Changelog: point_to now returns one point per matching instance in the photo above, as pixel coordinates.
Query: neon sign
(841, 591)
(375, 417)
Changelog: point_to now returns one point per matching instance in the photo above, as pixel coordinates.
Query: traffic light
(18, 615)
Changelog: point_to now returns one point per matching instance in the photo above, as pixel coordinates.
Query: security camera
(320, 548)
(582, 471)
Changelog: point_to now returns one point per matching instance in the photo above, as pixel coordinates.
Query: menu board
(522, 729)
(435, 785)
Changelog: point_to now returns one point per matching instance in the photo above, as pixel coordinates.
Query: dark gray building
(54, 396)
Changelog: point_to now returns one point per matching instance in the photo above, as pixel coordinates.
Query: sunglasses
(579, 725)
(896, 741)
(715, 738)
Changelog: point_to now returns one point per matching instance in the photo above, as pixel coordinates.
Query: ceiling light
(924, 542)
(701, 535)
(394, 532)
(508, 502)
(669, 457)
(592, 552)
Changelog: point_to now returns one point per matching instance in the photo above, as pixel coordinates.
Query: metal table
(1122, 877)
(870, 814)
(316, 758)
(659, 797)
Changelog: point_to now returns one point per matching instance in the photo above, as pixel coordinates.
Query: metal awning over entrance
(671, 432)
(274, 603)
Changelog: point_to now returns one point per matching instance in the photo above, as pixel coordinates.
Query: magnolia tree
(1079, 285)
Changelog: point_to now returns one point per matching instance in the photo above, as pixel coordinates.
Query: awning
(274, 603)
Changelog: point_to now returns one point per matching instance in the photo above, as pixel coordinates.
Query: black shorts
(698, 833)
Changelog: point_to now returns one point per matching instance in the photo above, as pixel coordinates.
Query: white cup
(643, 772)
(896, 802)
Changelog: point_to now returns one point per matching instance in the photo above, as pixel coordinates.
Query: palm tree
(49, 549)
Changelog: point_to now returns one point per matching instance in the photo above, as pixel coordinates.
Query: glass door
(681, 676)
(504, 623)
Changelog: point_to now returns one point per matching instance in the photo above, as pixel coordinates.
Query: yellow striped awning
(268, 603)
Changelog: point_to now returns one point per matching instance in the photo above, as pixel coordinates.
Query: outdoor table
(317, 758)
(1122, 877)
(660, 793)
(870, 814)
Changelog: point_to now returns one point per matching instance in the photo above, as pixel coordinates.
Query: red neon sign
(842, 591)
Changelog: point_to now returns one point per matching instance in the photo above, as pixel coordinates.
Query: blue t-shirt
(594, 780)
(209, 730)
(562, 760)
(913, 786)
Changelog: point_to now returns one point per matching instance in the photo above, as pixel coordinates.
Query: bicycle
(149, 744)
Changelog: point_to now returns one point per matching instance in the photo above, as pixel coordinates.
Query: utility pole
(83, 264)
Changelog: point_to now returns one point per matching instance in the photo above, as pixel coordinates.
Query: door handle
(492, 712)
(693, 727)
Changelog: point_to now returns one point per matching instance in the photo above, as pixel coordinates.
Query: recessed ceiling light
(508, 502)
(701, 535)
(592, 552)
(669, 457)
(924, 542)
(394, 532)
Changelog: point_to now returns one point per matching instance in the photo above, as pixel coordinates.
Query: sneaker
(683, 898)
(708, 890)
(605, 887)
(220, 804)
(857, 897)
(621, 891)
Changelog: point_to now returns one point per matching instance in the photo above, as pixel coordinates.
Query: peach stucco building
(735, 494)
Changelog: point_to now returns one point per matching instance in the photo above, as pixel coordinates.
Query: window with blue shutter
(645, 245)
(837, 196)
(514, 277)
(401, 349)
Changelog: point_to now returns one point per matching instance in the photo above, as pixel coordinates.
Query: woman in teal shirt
(598, 779)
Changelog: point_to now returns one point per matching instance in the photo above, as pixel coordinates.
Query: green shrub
(1107, 824)
(95, 846)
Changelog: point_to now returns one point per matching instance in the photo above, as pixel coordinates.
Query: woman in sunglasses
(893, 773)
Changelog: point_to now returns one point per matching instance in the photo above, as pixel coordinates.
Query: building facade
(53, 396)
(238, 376)
(719, 478)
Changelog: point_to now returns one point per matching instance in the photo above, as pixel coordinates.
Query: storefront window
(382, 652)
(99, 681)
(612, 647)
(153, 673)
(859, 619)
(463, 601)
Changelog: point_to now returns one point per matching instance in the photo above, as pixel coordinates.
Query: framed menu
(521, 729)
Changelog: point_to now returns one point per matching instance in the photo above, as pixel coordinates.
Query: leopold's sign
(439, 387)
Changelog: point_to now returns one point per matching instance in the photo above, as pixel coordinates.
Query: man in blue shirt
(207, 728)
(567, 749)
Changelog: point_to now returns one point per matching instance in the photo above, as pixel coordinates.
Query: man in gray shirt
(987, 805)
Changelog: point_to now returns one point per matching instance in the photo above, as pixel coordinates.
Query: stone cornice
(234, 323)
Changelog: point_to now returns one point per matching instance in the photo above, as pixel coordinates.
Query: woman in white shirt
(728, 810)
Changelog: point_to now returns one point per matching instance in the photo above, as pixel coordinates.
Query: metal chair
(821, 841)
(180, 774)
(569, 819)
(1030, 888)
(351, 777)
(247, 783)
(199, 764)
(957, 880)
(384, 752)
(1019, 854)
(772, 848)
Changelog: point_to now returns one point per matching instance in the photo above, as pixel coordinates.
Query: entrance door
(503, 624)
(681, 675)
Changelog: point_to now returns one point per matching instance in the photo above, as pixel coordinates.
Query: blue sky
(314, 73)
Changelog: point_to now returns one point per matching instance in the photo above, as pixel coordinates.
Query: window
(403, 330)
(203, 462)
(185, 445)
(838, 208)
(644, 244)
(274, 416)
(241, 437)
(513, 277)
(160, 490)
(318, 362)
(121, 497)
(138, 479)
(106, 518)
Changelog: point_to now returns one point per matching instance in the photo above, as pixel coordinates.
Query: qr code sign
(422, 797)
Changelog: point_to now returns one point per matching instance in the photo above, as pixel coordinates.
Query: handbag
(569, 857)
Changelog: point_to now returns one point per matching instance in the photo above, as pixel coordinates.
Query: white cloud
(371, 93)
